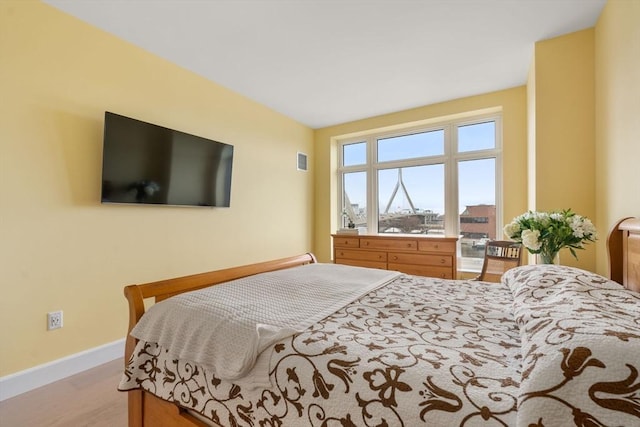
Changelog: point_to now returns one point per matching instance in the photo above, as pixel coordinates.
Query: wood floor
(89, 398)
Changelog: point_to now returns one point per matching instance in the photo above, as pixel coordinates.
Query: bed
(549, 346)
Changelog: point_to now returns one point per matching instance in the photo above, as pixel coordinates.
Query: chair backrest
(499, 256)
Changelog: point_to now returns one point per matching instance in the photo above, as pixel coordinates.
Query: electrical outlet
(54, 320)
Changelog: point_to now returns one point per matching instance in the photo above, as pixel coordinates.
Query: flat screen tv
(143, 163)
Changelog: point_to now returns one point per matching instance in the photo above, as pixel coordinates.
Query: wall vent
(302, 162)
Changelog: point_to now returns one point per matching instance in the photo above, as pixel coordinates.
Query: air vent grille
(302, 162)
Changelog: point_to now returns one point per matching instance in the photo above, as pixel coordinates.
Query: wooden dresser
(418, 255)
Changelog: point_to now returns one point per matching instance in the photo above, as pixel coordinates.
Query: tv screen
(143, 163)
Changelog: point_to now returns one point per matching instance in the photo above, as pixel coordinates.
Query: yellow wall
(617, 117)
(59, 247)
(531, 136)
(512, 102)
(562, 131)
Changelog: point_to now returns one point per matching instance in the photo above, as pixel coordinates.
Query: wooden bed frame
(623, 247)
(146, 410)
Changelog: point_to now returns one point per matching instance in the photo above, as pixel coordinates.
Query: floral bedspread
(580, 346)
(423, 351)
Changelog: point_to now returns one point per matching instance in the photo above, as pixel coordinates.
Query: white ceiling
(324, 62)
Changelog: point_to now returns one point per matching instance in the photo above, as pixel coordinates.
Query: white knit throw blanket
(225, 327)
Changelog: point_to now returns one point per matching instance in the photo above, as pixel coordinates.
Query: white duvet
(228, 325)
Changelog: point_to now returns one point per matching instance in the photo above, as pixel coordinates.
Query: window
(436, 180)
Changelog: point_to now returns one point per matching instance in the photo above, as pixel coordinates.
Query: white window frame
(449, 159)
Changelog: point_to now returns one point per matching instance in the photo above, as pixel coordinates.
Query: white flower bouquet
(545, 233)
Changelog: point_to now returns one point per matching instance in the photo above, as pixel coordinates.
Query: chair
(499, 256)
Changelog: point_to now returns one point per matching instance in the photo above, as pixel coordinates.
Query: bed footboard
(144, 408)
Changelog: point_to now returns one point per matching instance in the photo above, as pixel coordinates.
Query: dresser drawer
(400, 244)
(421, 259)
(422, 270)
(346, 242)
(361, 255)
(435, 246)
(361, 263)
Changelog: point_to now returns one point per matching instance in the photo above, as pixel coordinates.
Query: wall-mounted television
(143, 163)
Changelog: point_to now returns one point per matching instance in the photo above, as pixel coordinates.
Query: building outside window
(442, 179)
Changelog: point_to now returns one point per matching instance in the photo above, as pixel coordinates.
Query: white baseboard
(32, 378)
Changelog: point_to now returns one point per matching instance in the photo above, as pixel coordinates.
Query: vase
(549, 258)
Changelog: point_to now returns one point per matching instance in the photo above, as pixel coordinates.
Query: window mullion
(451, 182)
(372, 185)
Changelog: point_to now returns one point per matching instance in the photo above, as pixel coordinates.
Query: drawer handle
(379, 256)
(366, 243)
(444, 276)
(409, 245)
(395, 258)
(341, 253)
(442, 261)
(436, 246)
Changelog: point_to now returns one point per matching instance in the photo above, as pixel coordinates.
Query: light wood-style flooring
(89, 398)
